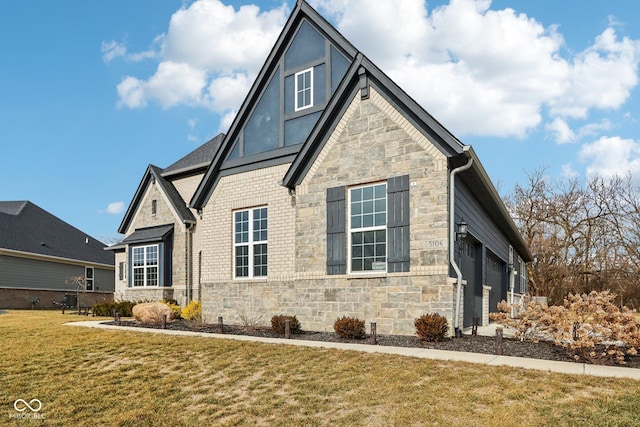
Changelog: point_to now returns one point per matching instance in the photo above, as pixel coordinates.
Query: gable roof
(301, 11)
(361, 75)
(27, 228)
(194, 162)
(152, 175)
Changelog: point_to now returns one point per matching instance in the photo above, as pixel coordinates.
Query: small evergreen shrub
(278, 323)
(431, 327)
(349, 328)
(193, 311)
(125, 308)
(106, 308)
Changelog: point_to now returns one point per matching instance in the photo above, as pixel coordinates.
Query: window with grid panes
(368, 228)
(145, 265)
(250, 242)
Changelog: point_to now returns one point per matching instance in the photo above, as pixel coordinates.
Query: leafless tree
(583, 236)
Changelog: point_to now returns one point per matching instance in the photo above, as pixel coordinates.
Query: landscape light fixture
(462, 231)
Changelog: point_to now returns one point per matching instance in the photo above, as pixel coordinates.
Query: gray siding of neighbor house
(16, 272)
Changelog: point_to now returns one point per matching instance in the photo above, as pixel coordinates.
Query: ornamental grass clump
(278, 323)
(431, 327)
(349, 328)
(589, 326)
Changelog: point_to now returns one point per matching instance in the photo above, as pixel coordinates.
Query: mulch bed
(473, 344)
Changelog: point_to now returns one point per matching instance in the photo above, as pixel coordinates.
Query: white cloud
(568, 171)
(561, 130)
(478, 70)
(131, 93)
(488, 72)
(115, 208)
(610, 156)
(209, 57)
(601, 77)
(111, 50)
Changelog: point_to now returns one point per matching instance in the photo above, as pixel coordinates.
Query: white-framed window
(88, 278)
(304, 89)
(250, 242)
(368, 228)
(145, 265)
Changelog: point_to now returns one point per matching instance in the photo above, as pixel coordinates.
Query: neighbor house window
(304, 89)
(368, 227)
(145, 265)
(88, 278)
(250, 242)
(122, 271)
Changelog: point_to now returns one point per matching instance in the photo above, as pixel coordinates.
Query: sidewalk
(455, 356)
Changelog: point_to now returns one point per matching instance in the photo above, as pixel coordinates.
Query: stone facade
(181, 260)
(372, 143)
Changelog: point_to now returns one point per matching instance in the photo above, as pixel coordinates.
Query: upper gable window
(304, 89)
(307, 46)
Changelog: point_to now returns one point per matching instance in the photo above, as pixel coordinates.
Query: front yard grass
(95, 377)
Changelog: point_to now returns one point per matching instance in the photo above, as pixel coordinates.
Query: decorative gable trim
(172, 197)
(302, 11)
(365, 79)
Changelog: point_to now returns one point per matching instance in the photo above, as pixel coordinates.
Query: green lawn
(118, 378)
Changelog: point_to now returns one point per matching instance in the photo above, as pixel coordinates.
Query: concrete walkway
(455, 356)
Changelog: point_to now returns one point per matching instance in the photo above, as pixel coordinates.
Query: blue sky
(92, 92)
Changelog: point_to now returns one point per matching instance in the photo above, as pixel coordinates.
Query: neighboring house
(154, 261)
(41, 257)
(333, 193)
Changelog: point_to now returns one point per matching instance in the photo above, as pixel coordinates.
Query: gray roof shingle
(25, 227)
(199, 158)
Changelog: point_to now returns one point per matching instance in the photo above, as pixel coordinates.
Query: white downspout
(452, 238)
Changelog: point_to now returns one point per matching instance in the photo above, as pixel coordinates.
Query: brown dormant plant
(590, 326)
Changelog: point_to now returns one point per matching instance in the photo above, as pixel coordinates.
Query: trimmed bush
(105, 308)
(278, 323)
(431, 327)
(193, 311)
(349, 328)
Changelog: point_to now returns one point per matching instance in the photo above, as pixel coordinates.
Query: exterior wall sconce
(462, 231)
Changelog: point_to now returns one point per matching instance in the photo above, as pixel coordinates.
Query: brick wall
(373, 142)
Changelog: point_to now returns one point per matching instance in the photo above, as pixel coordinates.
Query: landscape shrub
(125, 308)
(278, 324)
(431, 327)
(106, 308)
(349, 328)
(591, 327)
(193, 311)
(177, 310)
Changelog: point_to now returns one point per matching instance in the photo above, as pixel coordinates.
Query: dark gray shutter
(130, 267)
(336, 235)
(398, 224)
